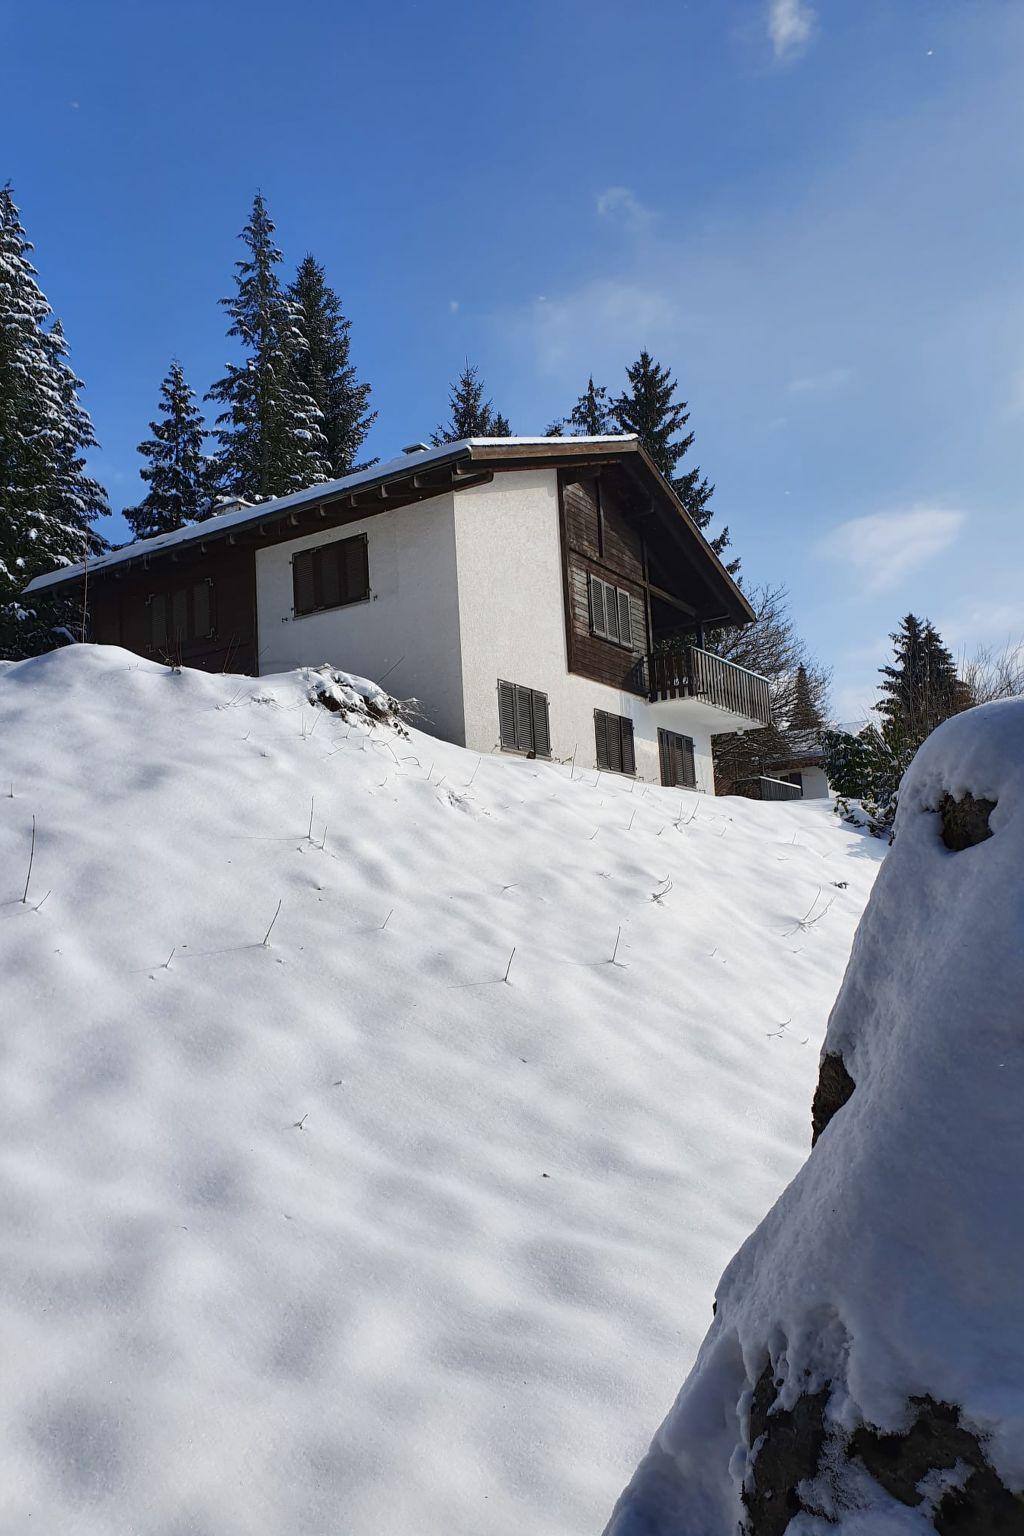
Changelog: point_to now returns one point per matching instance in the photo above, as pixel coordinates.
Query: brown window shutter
(303, 589)
(597, 623)
(158, 621)
(524, 720)
(541, 727)
(628, 753)
(625, 628)
(601, 735)
(507, 714)
(328, 576)
(202, 621)
(357, 575)
(689, 775)
(179, 616)
(611, 612)
(664, 758)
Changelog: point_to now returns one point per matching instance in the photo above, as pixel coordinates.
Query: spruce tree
(471, 414)
(591, 416)
(179, 474)
(271, 431)
(48, 502)
(920, 688)
(327, 372)
(649, 408)
(804, 714)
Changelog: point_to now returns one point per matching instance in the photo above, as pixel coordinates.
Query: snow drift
(342, 1232)
(865, 1369)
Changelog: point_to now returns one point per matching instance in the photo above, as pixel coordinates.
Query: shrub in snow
(865, 1368)
(344, 694)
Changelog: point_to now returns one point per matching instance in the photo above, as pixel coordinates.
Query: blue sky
(812, 212)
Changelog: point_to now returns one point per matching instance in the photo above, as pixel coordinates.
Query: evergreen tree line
(291, 412)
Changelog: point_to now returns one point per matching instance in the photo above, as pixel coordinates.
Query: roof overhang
(416, 477)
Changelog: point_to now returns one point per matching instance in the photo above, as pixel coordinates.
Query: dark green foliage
(179, 474)
(804, 712)
(920, 688)
(649, 408)
(271, 432)
(848, 763)
(327, 372)
(471, 414)
(591, 416)
(48, 502)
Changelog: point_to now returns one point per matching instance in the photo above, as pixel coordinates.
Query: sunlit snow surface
(892, 1266)
(278, 1249)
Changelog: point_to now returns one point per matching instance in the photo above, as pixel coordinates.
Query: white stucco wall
(815, 783)
(409, 627)
(512, 626)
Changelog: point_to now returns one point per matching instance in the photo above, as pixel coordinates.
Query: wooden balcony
(688, 672)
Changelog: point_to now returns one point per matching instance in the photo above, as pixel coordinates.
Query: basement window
(523, 720)
(181, 616)
(330, 576)
(609, 613)
(614, 735)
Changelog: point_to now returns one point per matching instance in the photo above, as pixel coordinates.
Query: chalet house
(546, 596)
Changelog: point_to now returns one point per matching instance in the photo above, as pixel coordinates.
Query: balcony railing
(690, 673)
(765, 788)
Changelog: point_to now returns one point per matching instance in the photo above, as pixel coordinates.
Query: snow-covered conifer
(271, 432)
(48, 502)
(326, 370)
(178, 473)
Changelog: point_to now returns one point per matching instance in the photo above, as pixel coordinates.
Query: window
(677, 764)
(330, 575)
(523, 719)
(179, 617)
(609, 613)
(614, 742)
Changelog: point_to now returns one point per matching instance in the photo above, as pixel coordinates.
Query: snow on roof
(224, 522)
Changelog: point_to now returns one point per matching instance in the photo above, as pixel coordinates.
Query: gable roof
(488, 452)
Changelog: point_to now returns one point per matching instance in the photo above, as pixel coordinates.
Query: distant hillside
(378, 1227)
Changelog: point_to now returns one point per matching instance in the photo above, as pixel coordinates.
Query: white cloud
(884, 546)
(790, 27)
(598, 327)
(621, 205)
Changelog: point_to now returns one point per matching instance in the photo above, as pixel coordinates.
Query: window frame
(519, 706)
(624, 750)
(620, 595)
(317, 554)
(171, 640)
(665, 740)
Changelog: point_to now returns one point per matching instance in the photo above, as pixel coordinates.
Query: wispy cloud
(820, 383)
(883, 547)
(791, 26)
(622, 206)
(604, 323)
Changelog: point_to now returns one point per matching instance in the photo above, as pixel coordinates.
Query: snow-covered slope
(345, 1233)
(868, 1347)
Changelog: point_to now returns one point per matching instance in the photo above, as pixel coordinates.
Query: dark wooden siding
(600, 540)
(119, 611)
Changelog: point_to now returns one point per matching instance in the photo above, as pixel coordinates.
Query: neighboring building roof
(506, 452)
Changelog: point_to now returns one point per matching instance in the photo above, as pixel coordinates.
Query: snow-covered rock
(342, 1232)
(865, 1369)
